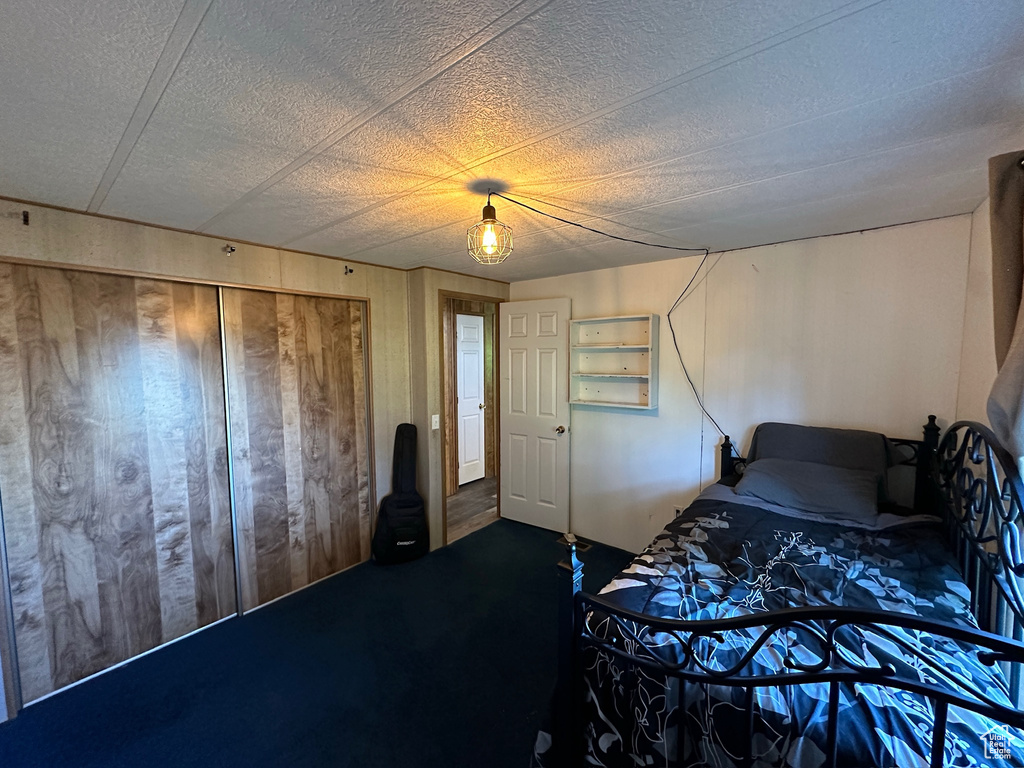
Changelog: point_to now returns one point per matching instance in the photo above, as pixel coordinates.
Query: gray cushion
(848, 494)
(849, 448)
(846, 448)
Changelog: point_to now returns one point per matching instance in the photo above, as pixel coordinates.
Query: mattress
(721, 559)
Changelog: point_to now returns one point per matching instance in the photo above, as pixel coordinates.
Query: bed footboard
(973, 482)
(567, 726)
(981, 495)
(638, 642)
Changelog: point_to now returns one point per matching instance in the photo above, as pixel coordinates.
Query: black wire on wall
(678, 302)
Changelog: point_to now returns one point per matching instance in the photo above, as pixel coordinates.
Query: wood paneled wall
(113, 467)
(297, 395)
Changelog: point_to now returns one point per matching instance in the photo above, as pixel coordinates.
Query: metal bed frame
(968, 479)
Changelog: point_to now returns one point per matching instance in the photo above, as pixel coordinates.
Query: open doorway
(469, 373)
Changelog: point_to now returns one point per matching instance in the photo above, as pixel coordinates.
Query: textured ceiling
(355, 129)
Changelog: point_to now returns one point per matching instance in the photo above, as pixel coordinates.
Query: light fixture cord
(588, 214)
(598, 231)
(675, 343)
(675, 305)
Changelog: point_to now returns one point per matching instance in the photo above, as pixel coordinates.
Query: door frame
(462, 374)
(446, 312)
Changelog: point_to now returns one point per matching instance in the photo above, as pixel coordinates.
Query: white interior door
(534, 396)
(469, 367)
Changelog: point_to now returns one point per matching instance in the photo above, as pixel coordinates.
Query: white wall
(978, 353)
(862, 330)
(628, 468)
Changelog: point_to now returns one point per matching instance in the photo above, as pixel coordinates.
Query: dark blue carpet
(445, 661)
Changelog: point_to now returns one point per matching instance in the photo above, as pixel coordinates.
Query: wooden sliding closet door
(113, 481)
(297, 404)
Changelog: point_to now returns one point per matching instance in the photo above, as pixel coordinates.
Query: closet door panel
(241, 466)
(296, 382)
(266, 444)
(291, 416)
(360, 417)
(21, 515)
(205, 436)
(344, 484)
(315, 439)
(168, 469)
(119, 383)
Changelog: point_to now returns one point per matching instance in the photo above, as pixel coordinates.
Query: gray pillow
(848, 494)
(846, 448)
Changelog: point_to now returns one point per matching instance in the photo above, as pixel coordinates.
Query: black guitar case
(402, 533)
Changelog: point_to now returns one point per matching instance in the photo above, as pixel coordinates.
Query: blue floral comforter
(723, 559)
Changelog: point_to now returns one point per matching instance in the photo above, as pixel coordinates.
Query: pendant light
(490, 241)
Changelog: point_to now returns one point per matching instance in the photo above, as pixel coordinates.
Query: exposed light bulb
(489, 240)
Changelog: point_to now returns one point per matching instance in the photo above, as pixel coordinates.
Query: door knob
(481, 406)
(560, 430)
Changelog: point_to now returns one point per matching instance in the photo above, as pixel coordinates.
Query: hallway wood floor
(472, 508)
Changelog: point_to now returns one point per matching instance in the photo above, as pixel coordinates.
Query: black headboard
(921, 456)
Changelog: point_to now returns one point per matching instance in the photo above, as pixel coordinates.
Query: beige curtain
(1006, 401)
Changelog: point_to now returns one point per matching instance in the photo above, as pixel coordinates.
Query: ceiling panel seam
(447, 224)
(713, 148)
(492, 31)
(734, 218)
(704, 150)
(178, 42)
(425, 264)
(716, 190)
(613, 175)
(742, 54)
(789, 174)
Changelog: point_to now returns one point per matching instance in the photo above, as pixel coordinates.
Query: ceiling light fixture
(490, 241)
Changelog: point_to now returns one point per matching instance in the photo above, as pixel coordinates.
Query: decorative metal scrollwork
(967, 477)
(827, 635)
(981, 488)
(980, 491)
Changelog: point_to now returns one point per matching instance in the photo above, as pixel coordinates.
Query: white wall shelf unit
(614, 361)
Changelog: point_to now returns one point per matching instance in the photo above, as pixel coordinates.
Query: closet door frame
(11, 697)
(241, 561)
(239, 610)
(10, 677)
